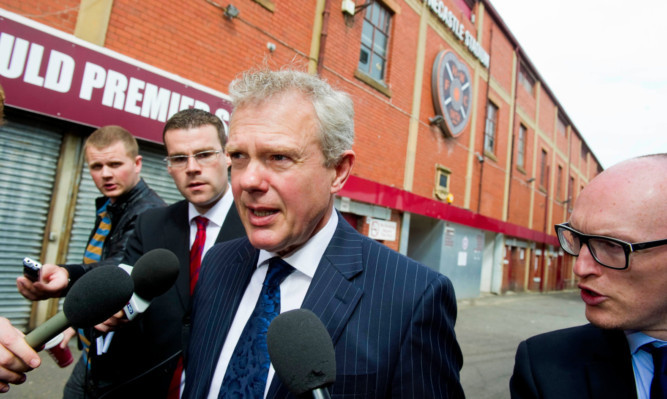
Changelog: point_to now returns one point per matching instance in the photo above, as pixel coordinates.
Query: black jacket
(143, 354)
(582, 362)
(123, 214)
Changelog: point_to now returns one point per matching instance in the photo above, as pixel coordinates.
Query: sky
(606, 63)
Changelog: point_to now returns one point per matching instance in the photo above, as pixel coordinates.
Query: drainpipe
(480, 159)
(516, 90)
(323, 35)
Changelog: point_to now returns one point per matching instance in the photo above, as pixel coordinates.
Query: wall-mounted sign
(456, 27)
(382, 229)
(49, 72)
(451, 89)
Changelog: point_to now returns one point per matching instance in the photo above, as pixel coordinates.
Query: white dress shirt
(216, 217)
(292, 292)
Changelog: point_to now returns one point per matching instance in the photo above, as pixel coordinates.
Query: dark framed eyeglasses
(202, 158)
(608, 251)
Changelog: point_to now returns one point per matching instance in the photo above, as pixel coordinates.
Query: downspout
(544, 245)
(323, 35)
(486, 116)
(516, 91)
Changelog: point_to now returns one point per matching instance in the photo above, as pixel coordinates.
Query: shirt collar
(218, 212)
(306, 258)
(637, 339)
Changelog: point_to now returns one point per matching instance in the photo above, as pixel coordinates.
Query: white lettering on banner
(156, 102)
(136, 96)
(14, 52)
(21, 59)
(32, 68)
(93, 78)
(59, 72)
(14, 56)
(458, 29)
(114, 90)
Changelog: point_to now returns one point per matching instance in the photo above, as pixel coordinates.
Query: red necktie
(197, 250)
(195, 264)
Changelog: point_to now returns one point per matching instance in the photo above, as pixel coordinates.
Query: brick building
(465, 157)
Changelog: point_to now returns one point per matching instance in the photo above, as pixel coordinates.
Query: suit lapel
(223, 280)
(332, 296)
(232, 227)
(178, 241)
(610, 373)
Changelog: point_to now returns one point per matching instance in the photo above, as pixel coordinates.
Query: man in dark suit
(143, 355)
(617, 229)
(391, 319)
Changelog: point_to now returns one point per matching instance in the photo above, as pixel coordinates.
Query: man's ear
(138, 163)
(343, 170)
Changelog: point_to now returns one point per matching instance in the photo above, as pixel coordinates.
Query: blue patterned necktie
(659, 383)
(249, 366)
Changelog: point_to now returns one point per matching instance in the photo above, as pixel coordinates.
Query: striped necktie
(94, 249)
(94, 254)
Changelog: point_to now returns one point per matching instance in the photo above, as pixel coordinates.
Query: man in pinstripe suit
(391, 319)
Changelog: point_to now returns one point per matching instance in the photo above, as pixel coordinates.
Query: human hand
(67, 336)
(113, 322)
(16, 356)
(52, 282)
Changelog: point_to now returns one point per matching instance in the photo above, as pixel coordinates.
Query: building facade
(465, 158)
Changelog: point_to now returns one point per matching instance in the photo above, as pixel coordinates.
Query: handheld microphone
(302, 353)
(93, 298)
(153, 274)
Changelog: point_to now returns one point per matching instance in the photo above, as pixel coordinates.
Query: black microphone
(153, 274)
(93, 298)
(302, 353)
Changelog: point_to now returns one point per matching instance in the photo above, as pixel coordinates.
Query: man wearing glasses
(144, 355)
(146, 358)
(618, 231)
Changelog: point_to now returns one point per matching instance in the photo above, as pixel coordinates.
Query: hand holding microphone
(302, 353)
(95, 297)
(92, 299)
(153, 274)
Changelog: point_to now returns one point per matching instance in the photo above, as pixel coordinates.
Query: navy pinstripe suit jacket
(391, 319)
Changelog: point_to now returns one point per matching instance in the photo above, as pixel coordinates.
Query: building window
(521, 151)
(543, 170)
(375, 41)
(570, 190)
(526, 80)
(584, 152)
(561, 126)
(490, 128)
(442, 175)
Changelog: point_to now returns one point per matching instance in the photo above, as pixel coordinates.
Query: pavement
(488, 329)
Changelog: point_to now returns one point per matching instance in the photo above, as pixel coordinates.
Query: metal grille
(28, 161)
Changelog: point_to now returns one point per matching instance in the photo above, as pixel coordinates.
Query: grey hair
(334, 109)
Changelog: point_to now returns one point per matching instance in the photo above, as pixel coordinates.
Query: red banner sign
(52, 73)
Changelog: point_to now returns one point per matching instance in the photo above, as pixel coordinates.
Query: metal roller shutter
(28, 161)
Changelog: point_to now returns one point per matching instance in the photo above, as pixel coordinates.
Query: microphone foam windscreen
(97, 295)
(154, 273)
(301, 351)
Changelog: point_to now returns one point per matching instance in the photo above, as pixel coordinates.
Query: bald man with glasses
(618, 232)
